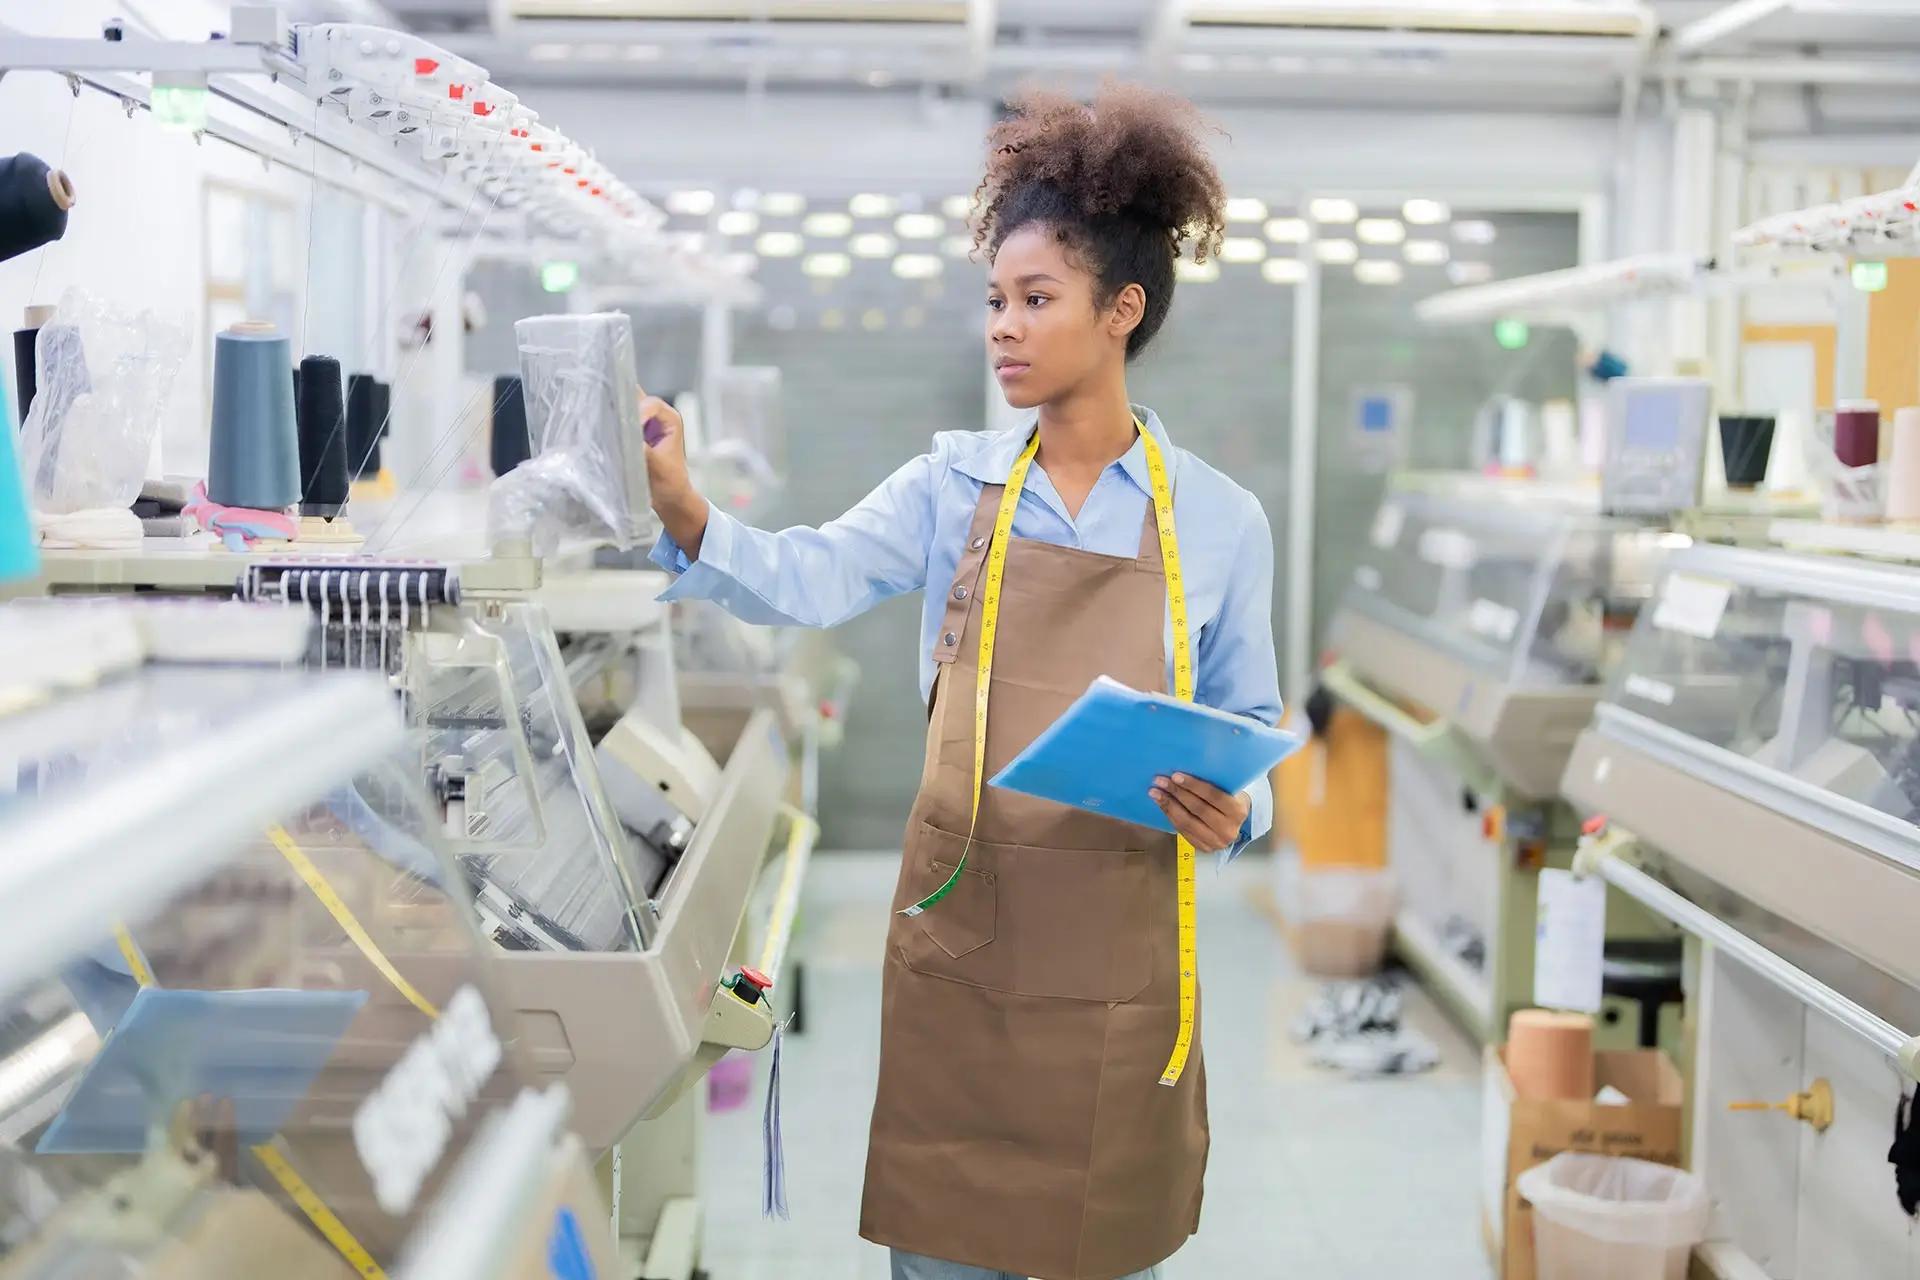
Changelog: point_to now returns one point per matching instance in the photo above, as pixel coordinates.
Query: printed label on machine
(1570, 935)
(1692, 606)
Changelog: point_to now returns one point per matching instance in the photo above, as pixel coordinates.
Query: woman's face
(1045, 333)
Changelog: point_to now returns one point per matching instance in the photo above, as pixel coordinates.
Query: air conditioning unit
(1608, 19)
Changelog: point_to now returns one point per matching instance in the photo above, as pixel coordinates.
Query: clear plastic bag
(105, 375)
(587, 477)
(1613, 1218)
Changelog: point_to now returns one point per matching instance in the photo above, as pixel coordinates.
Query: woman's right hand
(675, 500)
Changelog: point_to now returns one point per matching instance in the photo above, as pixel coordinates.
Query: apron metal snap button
(949, 639)
(978, 543)
(959, 593)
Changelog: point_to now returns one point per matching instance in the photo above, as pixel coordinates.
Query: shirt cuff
(1259, 819)
(694, 579)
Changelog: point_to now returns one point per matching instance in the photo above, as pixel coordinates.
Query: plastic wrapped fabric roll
(34, 201)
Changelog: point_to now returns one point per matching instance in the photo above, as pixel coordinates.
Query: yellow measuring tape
(298, 1190)
(1182, 689)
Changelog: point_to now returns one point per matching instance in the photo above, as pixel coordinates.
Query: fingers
(1204, 828)
(1203, 797)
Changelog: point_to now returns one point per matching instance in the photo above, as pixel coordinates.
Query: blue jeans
(911, 1266)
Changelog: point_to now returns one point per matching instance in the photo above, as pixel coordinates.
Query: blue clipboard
(261, 1049)
(1105, 752)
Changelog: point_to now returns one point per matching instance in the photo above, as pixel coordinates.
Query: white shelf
(1555, 294)
(1900, 543)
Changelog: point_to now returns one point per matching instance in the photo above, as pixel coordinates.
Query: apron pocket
(1064, 923)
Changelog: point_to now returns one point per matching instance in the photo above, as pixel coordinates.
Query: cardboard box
(1331, 795)
(1519, 1133)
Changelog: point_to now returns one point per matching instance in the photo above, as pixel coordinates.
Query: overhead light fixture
(957, 246)
(920, 226)
(828, 225)
(1187, 271)
(783, 204)
(1283, 271)
(550, 52)
(873, 319)
(959, 208)
(827, 266)
(1426, 253)
(1469, 272)
(1378, 271)
(738, 222)
(1381, 230)
(779, 244)
(1242, 249)
(1619, 19)
(872, 206)
(1425, 213)
(1474, 231)
(1288, 230)
(1246, 209)
(1338, 252)
(873, 244)
(691, 204)
(644, 53)
(1333, 209)
(918, 266)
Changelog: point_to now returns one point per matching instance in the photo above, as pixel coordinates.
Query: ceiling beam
(1725, 21)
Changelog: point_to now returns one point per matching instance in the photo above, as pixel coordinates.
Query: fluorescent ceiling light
(1246, 209)
(1618, 18)
(599, 52)
(1425, 213)
(1474, 231)
(1336, 251)
(779, 244)
(1189, 272)
(1374, 271)
(957, 246)
(918, 266)
(958, 208)
(827, 266)
(872, 206)
(942, 12)
(920, 226)
(692, 204)
(1242, 249)
(1381, 231)
(1469, 272)
(550, 52)
(1288, 230)
(828, 225)
(1429, 253)
(1283, 270)
(644, 53)
(738, 222)
(1333, 210)
(873, 319)
(873, 244)
(782, 204)
(744, 264)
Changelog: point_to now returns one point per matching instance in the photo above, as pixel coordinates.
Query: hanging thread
(34, 202)
(319, 410)
(254, 459)
(511, 444)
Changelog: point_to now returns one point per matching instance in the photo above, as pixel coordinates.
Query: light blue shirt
(911, 531)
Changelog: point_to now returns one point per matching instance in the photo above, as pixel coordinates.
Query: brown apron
(1020, 1124)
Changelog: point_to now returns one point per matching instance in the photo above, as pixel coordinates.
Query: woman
(1022, 1127)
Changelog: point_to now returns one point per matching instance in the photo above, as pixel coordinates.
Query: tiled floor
(1312, 1177)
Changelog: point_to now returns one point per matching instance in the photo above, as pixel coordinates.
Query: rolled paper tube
(511, 445)
(254, 459)
(1856, 433)
(1550, 1054)
(321, 411)
(34, 201)
(1903, 467)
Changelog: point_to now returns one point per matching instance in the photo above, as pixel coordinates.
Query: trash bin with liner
(1613, 1218)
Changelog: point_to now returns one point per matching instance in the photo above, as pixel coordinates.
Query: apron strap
(967, 575)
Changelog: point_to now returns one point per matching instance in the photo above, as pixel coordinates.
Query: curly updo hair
(1123, 184)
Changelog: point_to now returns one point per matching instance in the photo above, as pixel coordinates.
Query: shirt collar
(994, 461)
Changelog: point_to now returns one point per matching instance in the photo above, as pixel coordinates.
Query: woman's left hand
(1208, 817)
